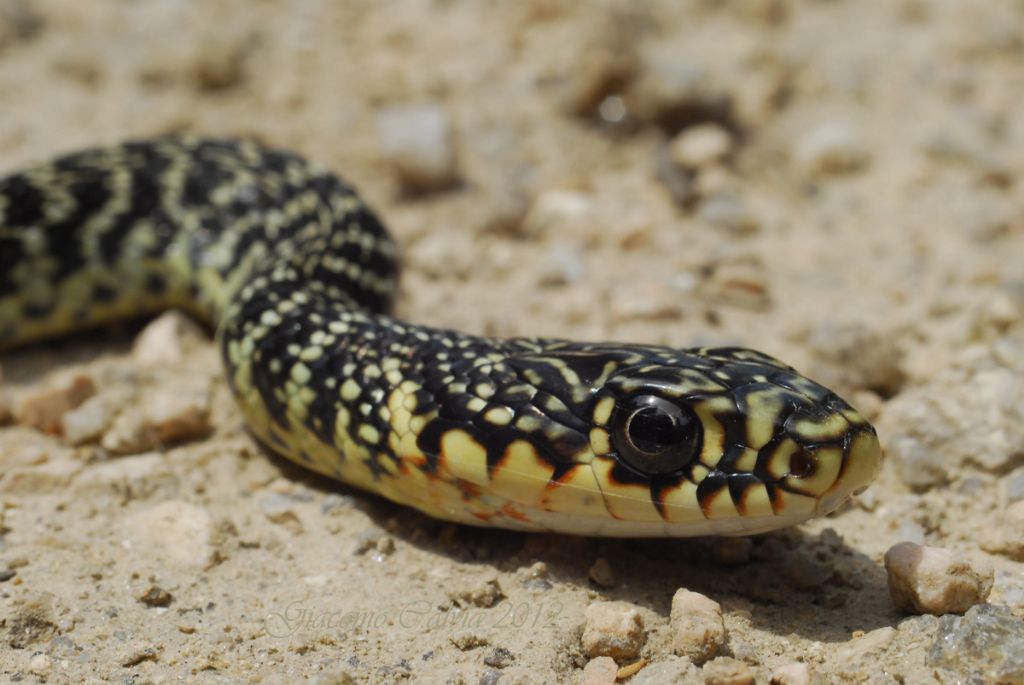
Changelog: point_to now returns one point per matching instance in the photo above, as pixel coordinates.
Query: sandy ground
(861, 218)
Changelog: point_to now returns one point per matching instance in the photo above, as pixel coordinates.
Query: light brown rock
(40, 665)
(961, 414)
(87, 422)
(599, 671)
(167, 340)
(831, 148)
(418, 141)
(931, 580)
(727, 671)
(169, 414)
(853, 654)
(791, 674)
(614, 629)
(42, 409)
(668, 669)
(698, 630)
(1005, 536)
(601, 573)
(700, 146)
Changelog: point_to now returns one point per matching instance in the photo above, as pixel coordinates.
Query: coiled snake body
(297, 276)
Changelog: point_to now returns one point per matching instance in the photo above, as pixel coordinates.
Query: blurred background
(835, 182)
(769, 172)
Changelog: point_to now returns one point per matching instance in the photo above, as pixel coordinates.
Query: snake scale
(296, 276)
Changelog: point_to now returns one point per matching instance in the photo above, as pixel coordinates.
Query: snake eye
(654, 436)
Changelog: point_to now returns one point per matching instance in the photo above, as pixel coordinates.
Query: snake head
(725, 441)
(653, 441)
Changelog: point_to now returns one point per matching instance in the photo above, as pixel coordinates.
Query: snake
(296, 277)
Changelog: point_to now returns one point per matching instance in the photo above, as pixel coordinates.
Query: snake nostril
(801, 464)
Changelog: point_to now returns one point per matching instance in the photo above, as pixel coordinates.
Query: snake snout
(836, 454)
(862, 458)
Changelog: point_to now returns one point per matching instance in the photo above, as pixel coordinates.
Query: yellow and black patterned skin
(297, 276)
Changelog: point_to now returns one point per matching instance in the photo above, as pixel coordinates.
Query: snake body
(296, 275)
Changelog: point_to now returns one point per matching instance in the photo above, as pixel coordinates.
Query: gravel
(700, 146)
(418, 142)
(830, 148)
(986, 643)
(698, 629)
(1005, 535)
(614, 629)
(930, 580)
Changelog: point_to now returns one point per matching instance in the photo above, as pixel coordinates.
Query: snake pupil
(653, 429)
(657, 436)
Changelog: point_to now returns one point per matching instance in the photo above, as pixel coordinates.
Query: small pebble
(333, 504)
(601, 573)
(32, 621)
(614, 629)
(1005, 534)
(419, 143)
(43, 408)
(919, 465)
(167, 340)
(698, 629)
(740, 284)
(671, 90)
(155, 596)
(605, 66)
(856, 652)
(171, 413)
(553, 209)
(931, 580)
(136, 651)
(791, 674)
(89, 421)
(219, 62)
(700, 146)
(961, 414)
(499, 657)
(727, 671)
(728, 211)
(468, 640)
(40, 665)
(490, 677)
(483, 594)
(1014, 486)
(831, 148)
(985, 645)
(368, 539)
(600, 671)
(868, 402)
(561, 265)
(668, 669)
(909, 530)
(279, 508)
